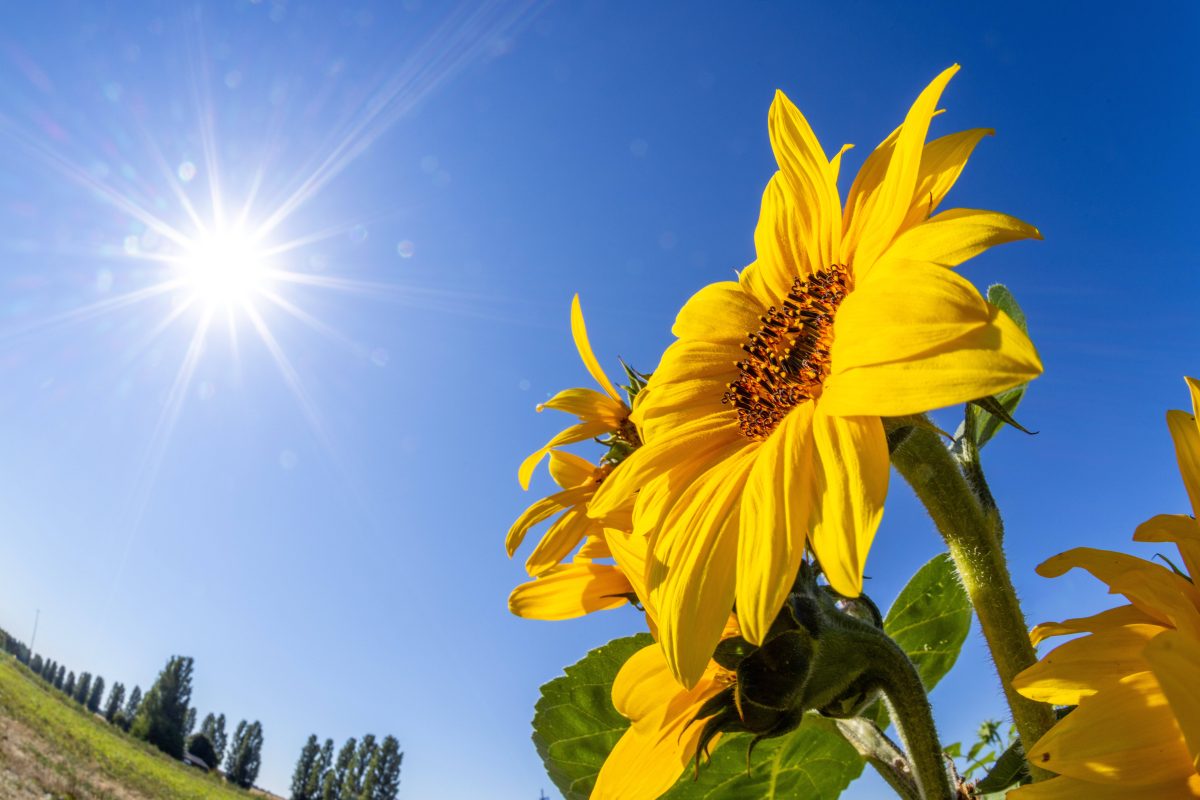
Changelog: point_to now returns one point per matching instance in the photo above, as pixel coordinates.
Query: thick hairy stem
(971, 532)
(913, 718)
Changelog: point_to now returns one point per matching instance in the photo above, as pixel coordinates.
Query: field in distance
(51, 746)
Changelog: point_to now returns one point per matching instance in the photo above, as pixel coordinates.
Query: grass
(50, 745)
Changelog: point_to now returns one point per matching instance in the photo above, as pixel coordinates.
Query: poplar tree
(245, 754)
(135, 703)
(60, 678)
(316, 779)
(69, 686)
(162, 716)
(352, 783)
(331, 786)
(384, 777)
(37, 664)
(116, 698)
(83, 687)
(96, 695)
(305, 765)
(189, 722)
(218, 737)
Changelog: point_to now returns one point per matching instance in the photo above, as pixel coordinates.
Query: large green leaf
(574, 722)
(930, 619)
(812, 763)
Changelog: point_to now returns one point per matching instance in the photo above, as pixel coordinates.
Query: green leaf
(983, 423)
(812, 763)
(1010, 768)
(574, 722)
(930, 619)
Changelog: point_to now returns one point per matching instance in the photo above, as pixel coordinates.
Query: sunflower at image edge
(761, 426)
(1134, 675)
(585, 583)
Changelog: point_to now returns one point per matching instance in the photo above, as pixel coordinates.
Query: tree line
(163, 716)
(363, 770)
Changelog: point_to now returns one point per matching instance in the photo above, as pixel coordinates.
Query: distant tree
(331, 785)
(36, 664)
(161, 718)
(83, 686)
(116, 699)
(313, 788)
(135, 703)
(245, 754)
(69, 686)
(50, 670)
(356, 773)
(189, 721)
(384, 774)
(96, 695)
(61, 677)
(201, 747)
(218, 737)
(305, 766)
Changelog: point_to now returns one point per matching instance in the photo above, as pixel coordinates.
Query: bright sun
(224, 268)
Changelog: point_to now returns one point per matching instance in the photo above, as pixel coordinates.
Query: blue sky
(317, 514)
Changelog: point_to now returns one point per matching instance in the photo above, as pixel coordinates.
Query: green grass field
(50, 746)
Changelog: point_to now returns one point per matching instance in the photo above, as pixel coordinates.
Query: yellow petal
(569, 470)
(589, 405)
(851, 467)
(559, 540)
(782, 245)
(721, 312)
(575, 433)
(579, 332)
(1082, 667)
(541, 511)
(885, 210)
(693, 441)
(644, 684)
(629, 551)
(1181, 529)
(593, 547)
(1187, 450)
(810, 180)
(899, 314)
(1103, 621)
(775, 511)
(570, 591)
(942, 161)
(956, 235)
(1072, 789)
(647, 760)
(1153, 588)
(988, 360)
(1127, 734)
(1175, 660)
(691, 573)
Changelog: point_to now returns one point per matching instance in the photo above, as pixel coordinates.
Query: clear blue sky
(325, 538)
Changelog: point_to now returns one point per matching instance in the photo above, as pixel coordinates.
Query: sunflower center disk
(787, 359)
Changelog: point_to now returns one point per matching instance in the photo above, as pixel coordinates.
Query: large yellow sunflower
(1135, 673)
(762, 423)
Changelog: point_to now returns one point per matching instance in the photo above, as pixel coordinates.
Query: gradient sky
(316, 513)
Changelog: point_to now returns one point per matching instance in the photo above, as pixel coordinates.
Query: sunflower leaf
(574, 722)
(811, 762)
(985, 416)
(930, 619)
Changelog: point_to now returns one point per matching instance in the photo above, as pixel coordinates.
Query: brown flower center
(787, 359)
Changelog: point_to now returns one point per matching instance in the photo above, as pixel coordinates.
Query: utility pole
(33, 638)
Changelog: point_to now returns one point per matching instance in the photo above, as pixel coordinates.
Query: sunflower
(600, 413)
(1133, 675)
(564, 590)
(762, 422)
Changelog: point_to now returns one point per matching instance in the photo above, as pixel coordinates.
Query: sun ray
(89, 311)
(311, 321)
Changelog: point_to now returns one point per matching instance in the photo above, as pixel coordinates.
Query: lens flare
(225, 268)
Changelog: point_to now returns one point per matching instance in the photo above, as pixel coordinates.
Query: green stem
(971, 532)
(882, 754)
(913, 718)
